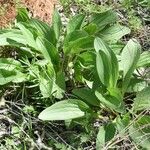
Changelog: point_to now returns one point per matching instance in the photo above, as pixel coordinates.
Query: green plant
(87, 57)
(36, 39)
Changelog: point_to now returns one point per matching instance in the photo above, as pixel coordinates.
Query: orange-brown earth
(41, 9)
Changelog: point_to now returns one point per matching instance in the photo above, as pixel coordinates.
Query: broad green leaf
(12, 37)
(115, 69)
(47, 81)
(22, 15)
(99, 44)
(77, 41)
(60, 80)
(48, 50)
(96, 84)
(58, 84)
(109, 63)
(144, 60)
(136, 85)
(20, 77)
(9, 64)
(75, 23)
(113, 33)
(91, 29)
(103, 19)
(57, 91)
(87, 95)
(115, 92)
(10, 76)
(129, 58)
(139, 131)
(46, 85)
(105, 134)
(56, 23)
(103, 61)
(44, 30)
(72, 37)
(88, 76)
(111, 102)
(64, 110)
(103, 68)
(82, 44)
(6, 76)
(122, 123)
(130, 53)
(111, 58)
(27, 34)
(87, 59)
(142, 100)
(117, 47)
(85, 62)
